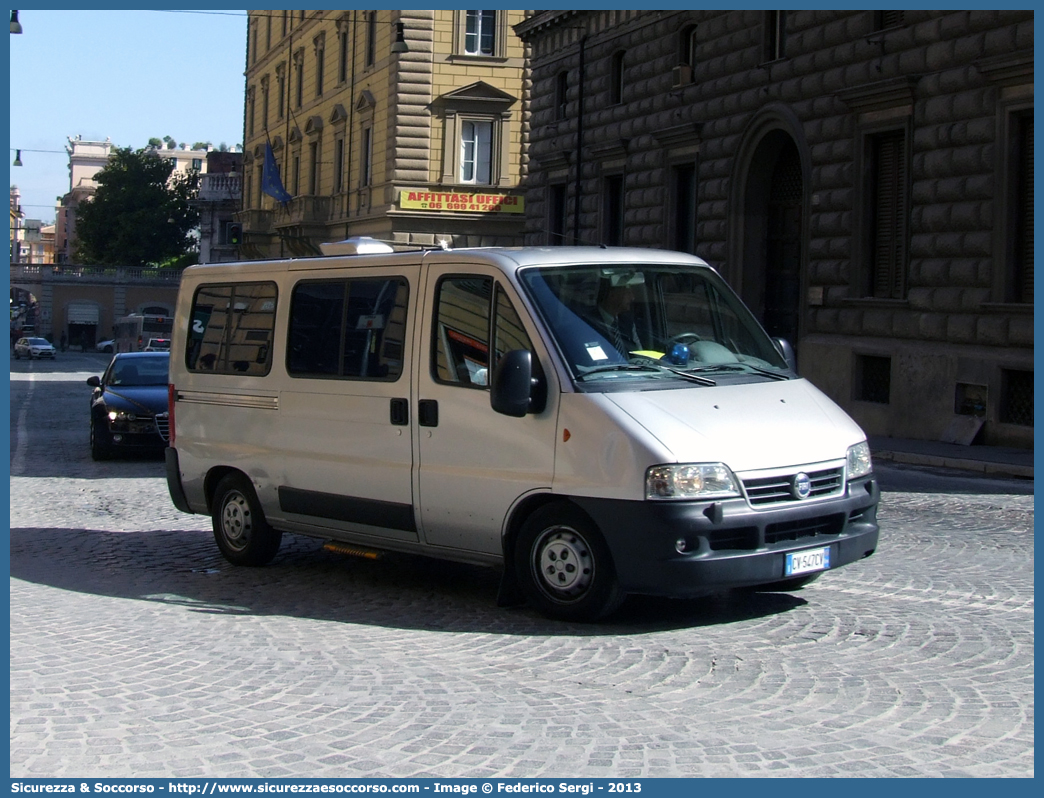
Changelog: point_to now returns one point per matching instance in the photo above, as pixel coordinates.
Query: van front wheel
(240, 528)
(564, 565)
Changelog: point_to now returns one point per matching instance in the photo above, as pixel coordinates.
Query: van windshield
(629, 324)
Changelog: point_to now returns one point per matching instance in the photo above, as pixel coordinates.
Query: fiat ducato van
(596, 422)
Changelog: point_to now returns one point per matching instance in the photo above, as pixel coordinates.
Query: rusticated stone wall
(953, 82)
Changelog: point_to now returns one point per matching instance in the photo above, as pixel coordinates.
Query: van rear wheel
(564, 566)
(240, 528)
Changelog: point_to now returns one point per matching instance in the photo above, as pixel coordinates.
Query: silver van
(594, 421)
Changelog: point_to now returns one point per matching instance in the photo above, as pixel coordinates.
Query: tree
(140, 215)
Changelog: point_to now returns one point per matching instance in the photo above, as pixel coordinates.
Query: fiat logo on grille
(801, 486)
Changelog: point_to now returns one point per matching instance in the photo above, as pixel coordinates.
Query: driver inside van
(613, 316)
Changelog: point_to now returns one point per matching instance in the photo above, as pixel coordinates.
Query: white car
(158, 345)
(33, 347)
(106, 346)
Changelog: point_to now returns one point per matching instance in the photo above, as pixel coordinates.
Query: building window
(888, 215)
(281, 90)
(1021, 270)
(264, 103)
(338, 166)
(320, 62)
(366, 178)
(268, 33)
(253, 43)
(613, 210)
(775, 35)
(342, 58)
(285, 18)
(299, 66)
(888, 19)
(616, 78)
(197, 164)
(684, 190)
(297, 174)
(480, 33)
(250, 111)
(873, 381)
(561, 94)
(313, 155)
(685, 72)
(476, 152)
(556, 217)
(371, 38)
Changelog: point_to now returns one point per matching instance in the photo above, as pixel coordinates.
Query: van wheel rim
(564, 564)
(235, 521)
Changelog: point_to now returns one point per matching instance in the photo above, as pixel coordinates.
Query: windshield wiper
(654, 367)
(736, 366)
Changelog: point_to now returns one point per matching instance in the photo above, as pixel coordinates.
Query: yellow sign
(451, 201)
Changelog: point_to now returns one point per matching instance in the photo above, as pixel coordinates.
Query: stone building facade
(863, 179)
(400, 125)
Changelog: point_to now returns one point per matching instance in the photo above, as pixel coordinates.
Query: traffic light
(235, 233)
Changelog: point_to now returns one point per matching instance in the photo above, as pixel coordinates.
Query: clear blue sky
(124, 75)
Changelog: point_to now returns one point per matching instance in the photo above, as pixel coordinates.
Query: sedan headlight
(690, 481)
(859, 464)
(121, 415)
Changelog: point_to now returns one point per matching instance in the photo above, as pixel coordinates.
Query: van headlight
(859, 464)
(690, 481)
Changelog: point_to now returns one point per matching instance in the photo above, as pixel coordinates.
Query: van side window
(460, 349)
(509, 334)
(231, 329)
(349, 329)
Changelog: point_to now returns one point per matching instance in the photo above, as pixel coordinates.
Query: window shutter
(888, 249)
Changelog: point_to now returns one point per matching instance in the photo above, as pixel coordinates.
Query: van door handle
(428, 413)
(400, 412)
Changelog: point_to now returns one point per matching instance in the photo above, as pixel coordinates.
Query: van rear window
(231, 329)
(348, 329)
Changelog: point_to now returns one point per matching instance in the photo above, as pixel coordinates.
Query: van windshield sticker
(596, 352)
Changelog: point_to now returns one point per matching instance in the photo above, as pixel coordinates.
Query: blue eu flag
(270, 182)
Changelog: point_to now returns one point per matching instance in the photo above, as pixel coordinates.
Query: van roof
(507, 258)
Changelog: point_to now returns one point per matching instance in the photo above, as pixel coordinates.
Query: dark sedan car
(129, 405)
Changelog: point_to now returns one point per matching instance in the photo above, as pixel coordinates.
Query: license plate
(803, 562)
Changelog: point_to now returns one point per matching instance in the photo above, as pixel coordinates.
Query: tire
(240, 528)
(99, 451)
(564, 566)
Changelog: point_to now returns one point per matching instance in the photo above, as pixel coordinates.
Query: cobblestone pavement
(137, 651)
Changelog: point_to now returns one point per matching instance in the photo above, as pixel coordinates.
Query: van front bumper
(727, 543)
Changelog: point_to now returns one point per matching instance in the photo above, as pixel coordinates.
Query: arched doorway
(772, 234)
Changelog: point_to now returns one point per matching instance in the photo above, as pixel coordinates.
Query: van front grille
(779, 488)
(804, 528)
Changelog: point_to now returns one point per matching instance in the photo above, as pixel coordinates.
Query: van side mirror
(785, 349)
(515, 391)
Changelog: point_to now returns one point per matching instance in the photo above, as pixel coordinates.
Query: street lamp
(16, 26)
(399, 45)
(18, 158)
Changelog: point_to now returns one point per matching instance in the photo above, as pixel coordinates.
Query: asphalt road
(136, 650)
